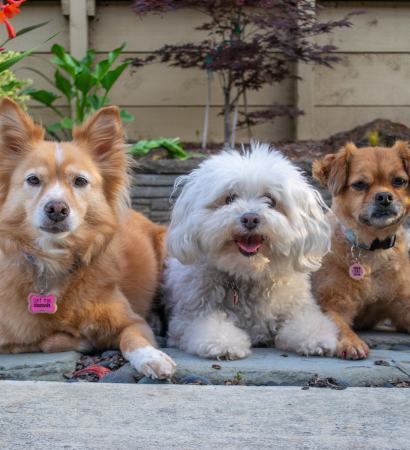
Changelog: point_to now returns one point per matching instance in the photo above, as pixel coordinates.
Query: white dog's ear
(313, 230)
(182, 237)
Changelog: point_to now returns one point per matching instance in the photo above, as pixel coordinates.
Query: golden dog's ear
(402, 148)
(102, 132)
(332, 170)
(17, 129)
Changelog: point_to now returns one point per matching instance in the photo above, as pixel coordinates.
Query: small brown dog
(366, 277)
(78, 268)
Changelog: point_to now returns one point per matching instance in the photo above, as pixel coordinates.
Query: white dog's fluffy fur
(275, 303)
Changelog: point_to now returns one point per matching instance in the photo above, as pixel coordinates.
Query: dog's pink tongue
(250, 243)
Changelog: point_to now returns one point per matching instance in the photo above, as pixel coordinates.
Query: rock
(72, 381)
(147, 380)
(39, 366)
(271, 383)
(129, 369)
(117, 377)
(193, 379)
(221, 383)
(105, 364)
(285, 383)
(266, 364)
(382, 347)
(400, 348)
(388, 385)
(111, 353)
(343, 383)
(383, 335)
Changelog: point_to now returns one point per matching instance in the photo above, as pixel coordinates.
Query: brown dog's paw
(352, 348)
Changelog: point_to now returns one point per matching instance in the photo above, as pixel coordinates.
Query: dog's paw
(324, 344)
(352, 348)
(151, 362)
(230, 353)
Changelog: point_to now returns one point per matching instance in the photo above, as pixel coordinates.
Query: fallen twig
(400, 367)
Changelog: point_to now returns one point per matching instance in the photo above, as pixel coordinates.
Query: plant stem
(235, 118)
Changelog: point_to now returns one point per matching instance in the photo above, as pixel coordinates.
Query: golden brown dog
(371, 199)
(68, 238)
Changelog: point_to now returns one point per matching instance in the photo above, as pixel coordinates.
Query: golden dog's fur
(384, 292)
(104, 269)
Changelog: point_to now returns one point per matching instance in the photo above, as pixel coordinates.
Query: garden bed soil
(381, 132)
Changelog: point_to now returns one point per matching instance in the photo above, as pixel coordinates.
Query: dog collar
(377, 244)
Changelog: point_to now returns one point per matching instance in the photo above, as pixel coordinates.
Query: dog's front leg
(308, 332)
(137, 345)
(212, 336)
(350, 346)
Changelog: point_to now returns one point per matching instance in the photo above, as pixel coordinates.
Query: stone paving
(54, 416)
(262, 366)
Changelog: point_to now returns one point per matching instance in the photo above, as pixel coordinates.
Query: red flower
(10, 29)
(2, 48)
(10, 10)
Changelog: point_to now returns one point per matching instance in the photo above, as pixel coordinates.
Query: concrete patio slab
(384, 335)
(54, 416)
(268, 364)
(38, 366)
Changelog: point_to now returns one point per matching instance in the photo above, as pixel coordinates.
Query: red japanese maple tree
(250, 44)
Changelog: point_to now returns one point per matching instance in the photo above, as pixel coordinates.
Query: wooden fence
(371, 81)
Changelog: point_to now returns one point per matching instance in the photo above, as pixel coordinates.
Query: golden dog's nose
(57, 211)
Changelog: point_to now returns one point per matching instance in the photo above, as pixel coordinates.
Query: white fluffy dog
(244, 232)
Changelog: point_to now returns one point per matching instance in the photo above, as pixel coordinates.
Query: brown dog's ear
(332, 170)
(102, 133)
(402, 148)
(16, 128)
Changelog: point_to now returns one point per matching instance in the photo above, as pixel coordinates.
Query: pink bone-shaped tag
(38, 303)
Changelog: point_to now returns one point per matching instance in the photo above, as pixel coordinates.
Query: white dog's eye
(230, 199)
(271, 201)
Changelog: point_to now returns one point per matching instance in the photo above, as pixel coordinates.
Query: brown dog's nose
(384, 198)
(57, 211)
(250, 220)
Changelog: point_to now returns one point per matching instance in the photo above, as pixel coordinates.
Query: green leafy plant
(82, 88)
(10, 85)
(173, 148)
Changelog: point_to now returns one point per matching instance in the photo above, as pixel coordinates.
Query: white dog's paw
(222, 352)
(323, 344)
(151, 362)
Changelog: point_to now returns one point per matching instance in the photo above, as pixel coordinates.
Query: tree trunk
(227, 118)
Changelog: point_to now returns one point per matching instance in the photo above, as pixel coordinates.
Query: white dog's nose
(250, 220)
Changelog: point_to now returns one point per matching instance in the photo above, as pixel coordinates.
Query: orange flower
(10, 10)
(10, 29)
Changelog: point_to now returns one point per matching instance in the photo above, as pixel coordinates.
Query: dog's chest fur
(264, 304)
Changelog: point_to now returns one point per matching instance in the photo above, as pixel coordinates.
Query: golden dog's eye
(398, 182)
(360, 186)
(230, 199)
(33, 180)
(80, 181)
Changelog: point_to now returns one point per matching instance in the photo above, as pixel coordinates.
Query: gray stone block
(384, 335)
(156, 179)
(266, 364)
(39, 366)
(169, 166)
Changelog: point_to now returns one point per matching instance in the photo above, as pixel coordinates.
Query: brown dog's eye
(80, 181)
(398, 182)
(33, 180)
(360, 186)
(230, 199)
